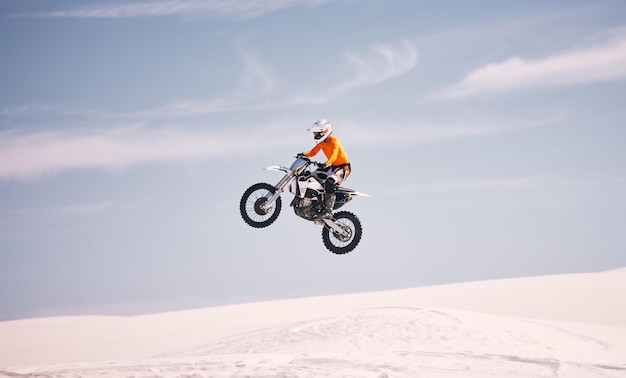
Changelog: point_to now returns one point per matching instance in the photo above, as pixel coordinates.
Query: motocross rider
(337, 166)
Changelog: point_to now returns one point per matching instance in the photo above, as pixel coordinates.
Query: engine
(306, 208)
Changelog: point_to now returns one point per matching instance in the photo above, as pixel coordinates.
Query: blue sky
(491, 135)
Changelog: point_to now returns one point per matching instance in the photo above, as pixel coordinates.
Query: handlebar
(309, 161)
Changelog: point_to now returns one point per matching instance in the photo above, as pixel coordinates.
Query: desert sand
(571, 325)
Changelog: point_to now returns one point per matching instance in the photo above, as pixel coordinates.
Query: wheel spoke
(252, 206)
(340, 240)
(343, 242)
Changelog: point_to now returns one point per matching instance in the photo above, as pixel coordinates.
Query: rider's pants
(333, 176)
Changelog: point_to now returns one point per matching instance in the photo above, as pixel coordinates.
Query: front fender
(277, 168)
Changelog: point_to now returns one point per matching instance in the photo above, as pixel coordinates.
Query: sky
(490, 135)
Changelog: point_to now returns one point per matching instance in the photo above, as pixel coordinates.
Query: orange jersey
(335, 154)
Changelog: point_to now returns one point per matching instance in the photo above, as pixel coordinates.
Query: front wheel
(343, 243)
(254, 208)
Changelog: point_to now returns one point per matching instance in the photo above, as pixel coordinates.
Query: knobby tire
(250, 209)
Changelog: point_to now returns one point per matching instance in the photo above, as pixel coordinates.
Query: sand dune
(550, 326)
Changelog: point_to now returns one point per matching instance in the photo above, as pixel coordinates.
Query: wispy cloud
(384, 62)
(28, 155)
(600, 63)
(424, 132)
(240, 9)
(256, 90)
(256, 82)
(255, 79)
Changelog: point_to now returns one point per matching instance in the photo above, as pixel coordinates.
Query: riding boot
(329, 203)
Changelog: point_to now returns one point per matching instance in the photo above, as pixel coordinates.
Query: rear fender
(351, 192)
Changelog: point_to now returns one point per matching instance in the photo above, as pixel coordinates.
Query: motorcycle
(261, 204)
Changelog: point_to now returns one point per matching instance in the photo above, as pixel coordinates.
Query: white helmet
(321, 130)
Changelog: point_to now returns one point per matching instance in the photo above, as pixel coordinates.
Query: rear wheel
(342, 243)
(254, 208)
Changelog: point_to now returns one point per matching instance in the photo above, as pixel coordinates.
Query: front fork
(280, 187)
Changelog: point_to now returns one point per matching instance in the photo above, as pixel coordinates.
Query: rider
(337, 166)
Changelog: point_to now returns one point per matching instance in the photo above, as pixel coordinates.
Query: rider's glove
(322, 166)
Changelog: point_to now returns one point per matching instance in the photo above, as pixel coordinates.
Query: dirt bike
(261, 204)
